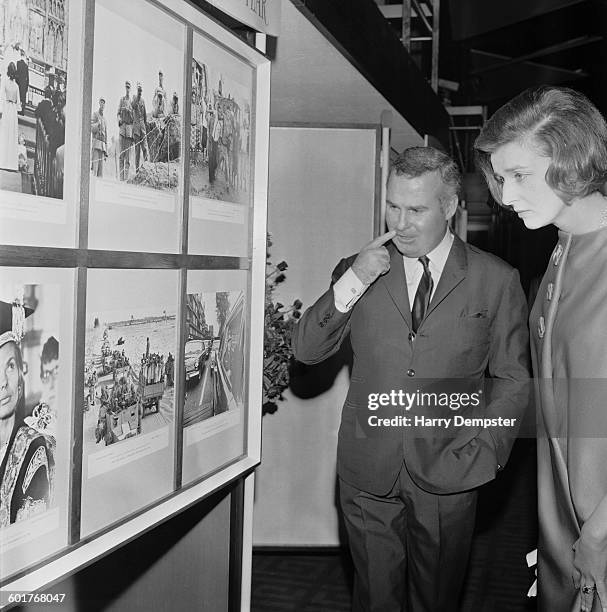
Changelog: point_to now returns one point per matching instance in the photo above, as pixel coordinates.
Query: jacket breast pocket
(472, 331)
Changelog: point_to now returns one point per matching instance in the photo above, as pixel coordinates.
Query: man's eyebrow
(419, 206)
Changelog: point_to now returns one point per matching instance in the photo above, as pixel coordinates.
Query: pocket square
(475, 314)
(482, 314)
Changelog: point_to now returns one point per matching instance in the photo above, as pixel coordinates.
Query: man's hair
(50, 351)
(559, 123)
(416, 161)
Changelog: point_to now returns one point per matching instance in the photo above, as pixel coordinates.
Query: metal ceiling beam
(556, 48)
(507, 61)
(395, 11)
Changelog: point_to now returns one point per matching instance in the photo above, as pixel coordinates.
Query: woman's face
(10, 389)
(521, 170)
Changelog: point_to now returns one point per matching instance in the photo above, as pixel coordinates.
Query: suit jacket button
(411, 336)
(411, 373)
(541, 327)
(549, 291)
(557, 254)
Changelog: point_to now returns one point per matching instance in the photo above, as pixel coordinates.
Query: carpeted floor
(498, 576)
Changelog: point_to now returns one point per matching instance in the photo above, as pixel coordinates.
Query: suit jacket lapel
(453, 274)
(396, 284)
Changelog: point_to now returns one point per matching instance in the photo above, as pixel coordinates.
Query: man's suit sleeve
(322, 328)
(509, 367)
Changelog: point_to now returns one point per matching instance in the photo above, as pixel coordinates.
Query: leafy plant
(279, 323)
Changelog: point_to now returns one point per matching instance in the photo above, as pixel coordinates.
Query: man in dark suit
(424, 311)
(23, 79)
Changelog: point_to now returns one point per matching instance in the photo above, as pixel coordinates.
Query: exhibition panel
(133, 188)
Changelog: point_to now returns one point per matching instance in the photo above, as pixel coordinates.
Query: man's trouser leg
(410, 548)
(124, 159)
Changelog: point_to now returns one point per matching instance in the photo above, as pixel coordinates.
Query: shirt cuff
(347, 290)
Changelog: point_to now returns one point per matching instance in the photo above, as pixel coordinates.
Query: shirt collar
(438, 255)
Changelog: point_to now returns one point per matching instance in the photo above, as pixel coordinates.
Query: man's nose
(403, 220)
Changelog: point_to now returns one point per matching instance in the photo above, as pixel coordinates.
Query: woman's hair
(561, 124)
(11, 71)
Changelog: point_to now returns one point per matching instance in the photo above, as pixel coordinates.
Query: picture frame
(136, 128)
(36, 466)
(221, 152)
(185, 250)
(40, 147)
(128, 399)
(215, 409)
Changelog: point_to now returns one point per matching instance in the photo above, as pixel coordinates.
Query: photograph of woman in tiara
(26, 457)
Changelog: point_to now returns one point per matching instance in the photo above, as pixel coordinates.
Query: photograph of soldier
(35, 43)
(98, 140)
(143, 144)
(140, 128)
(160, 96)
(125, 125)
(221, 122)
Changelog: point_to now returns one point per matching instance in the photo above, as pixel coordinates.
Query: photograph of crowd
(29, 410)
(129, 355)
(136, 121)
(33, 85)
(220, 132)
(129, 382)
(214, 354)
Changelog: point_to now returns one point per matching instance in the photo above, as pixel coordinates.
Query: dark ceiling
(495, 49)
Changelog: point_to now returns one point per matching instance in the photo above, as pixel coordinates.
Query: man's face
(9, 380)
(128, 90)
(414, 211)
(160, 77)
(139, 90)
(48, 375)
(101, 106)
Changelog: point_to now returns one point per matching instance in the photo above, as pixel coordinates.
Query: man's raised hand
(373, 259)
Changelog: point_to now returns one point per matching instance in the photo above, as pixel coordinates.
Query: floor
(498, 577)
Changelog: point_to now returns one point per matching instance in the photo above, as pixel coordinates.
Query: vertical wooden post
(406, 29)
(435, 43)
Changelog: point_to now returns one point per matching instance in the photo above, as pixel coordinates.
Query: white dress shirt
(348, 289)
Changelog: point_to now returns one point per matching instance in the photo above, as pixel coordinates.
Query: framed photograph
(36, 311)
(136, 127)
(128, 400)
(135, 288)
(221, 147)
(40, 105)
(216, 321)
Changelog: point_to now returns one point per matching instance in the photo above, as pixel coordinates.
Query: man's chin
(408, 248)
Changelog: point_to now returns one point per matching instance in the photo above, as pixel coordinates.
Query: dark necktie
(422, 295)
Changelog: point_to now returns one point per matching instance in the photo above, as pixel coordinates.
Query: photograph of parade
(29, 410)
(129, 360)
(136, 121)
(33, 85)
(128, 380)
(214, 354)
(220, 130)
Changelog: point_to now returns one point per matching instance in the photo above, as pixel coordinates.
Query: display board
(133, 188)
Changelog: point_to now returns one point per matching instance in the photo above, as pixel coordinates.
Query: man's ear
(451, 207)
